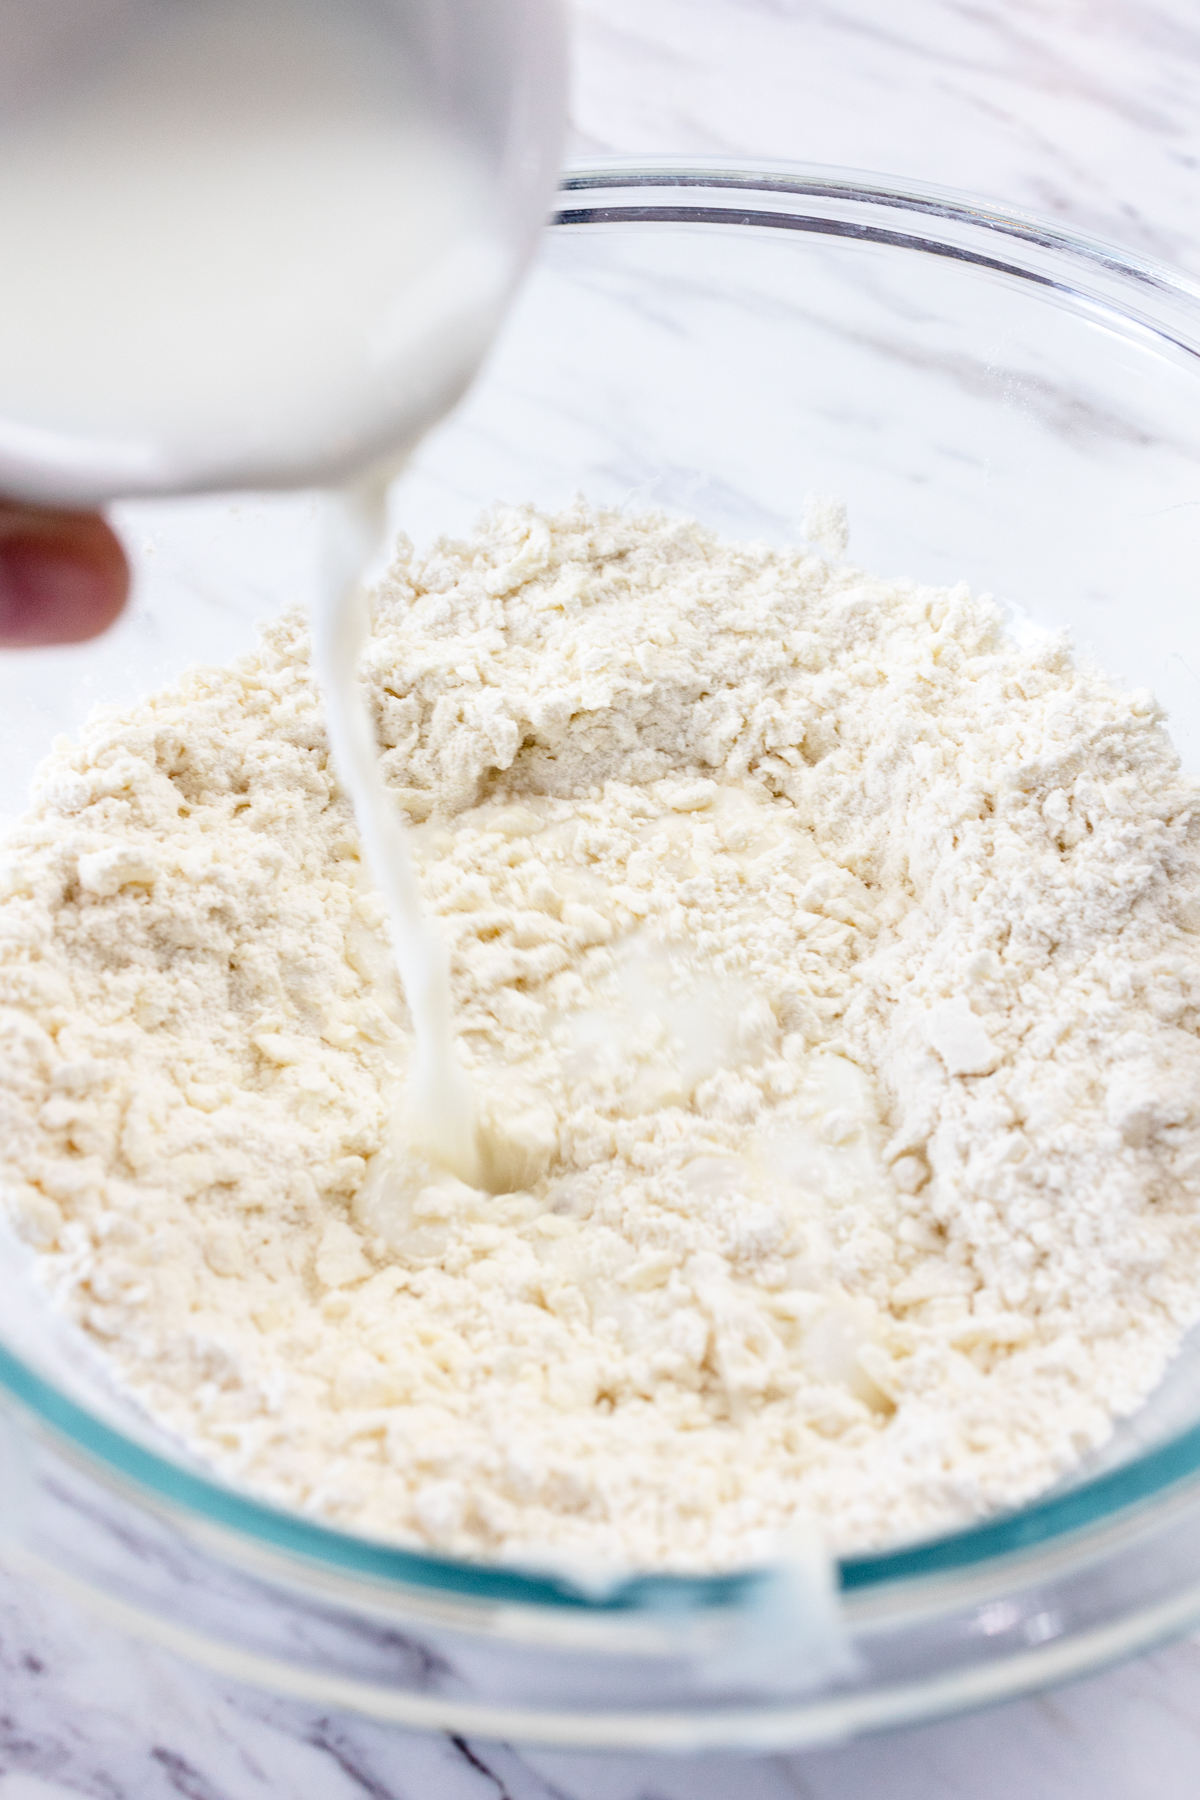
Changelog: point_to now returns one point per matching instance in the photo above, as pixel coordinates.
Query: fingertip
(63, 577)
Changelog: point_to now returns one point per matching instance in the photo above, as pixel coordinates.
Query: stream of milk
(439, 1109)
(199, 201)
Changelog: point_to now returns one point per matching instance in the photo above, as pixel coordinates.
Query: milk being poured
(245, 247)
(438, 1114)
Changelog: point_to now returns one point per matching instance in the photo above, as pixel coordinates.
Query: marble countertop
(1081, 110)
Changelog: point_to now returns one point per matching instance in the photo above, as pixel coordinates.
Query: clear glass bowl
(999, 401)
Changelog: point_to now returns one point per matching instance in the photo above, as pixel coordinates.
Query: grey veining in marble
(1081, 110)
(1086, 110)
(94, 1714)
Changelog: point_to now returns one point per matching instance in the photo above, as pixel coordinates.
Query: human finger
(63, 576)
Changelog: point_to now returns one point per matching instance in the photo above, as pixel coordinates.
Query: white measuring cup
(257, 243)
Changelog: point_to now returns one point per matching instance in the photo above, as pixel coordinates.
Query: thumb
(63, 576)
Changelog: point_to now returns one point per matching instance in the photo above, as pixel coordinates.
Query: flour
(825, 963)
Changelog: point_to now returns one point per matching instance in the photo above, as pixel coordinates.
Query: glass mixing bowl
(999, 401)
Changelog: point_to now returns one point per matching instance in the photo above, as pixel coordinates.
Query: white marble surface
(86, 1712)
(1083, 109)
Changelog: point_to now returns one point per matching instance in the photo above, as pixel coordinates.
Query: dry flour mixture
(826, 963)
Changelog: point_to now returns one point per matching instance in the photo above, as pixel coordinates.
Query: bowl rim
(831, 182)
(774, 196)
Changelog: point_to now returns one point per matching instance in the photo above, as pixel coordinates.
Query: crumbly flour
(826, 963)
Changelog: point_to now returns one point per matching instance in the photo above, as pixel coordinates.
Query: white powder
(827, 967)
